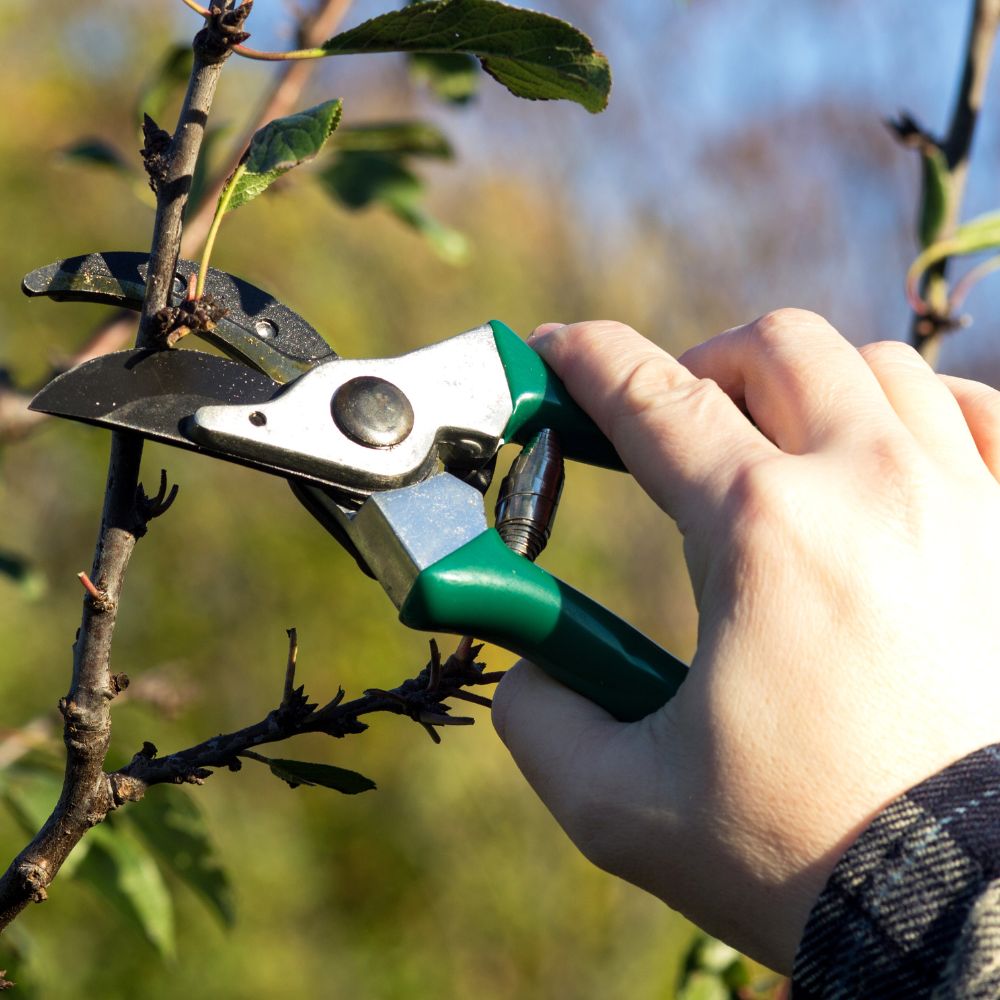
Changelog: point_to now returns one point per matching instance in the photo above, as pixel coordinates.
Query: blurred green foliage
(451, 880)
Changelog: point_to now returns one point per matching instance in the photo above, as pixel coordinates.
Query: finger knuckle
(645, 384)
(779, 325)
(890, 352)
(756, 486)
(763, 501)
(652, 385)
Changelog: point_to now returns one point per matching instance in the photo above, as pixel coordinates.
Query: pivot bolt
(372, 412)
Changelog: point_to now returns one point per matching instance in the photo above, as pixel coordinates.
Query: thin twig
(89, 586)
(293, 654)
(414, 698)
(176, 184)
(968, 281)
(159, 688)
(288, 56)
(15, 744)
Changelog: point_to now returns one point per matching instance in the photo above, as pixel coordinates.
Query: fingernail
(541, 332)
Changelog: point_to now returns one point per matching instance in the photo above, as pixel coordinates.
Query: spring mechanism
(529, 496)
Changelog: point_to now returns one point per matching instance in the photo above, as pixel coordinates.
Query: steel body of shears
(363, 444)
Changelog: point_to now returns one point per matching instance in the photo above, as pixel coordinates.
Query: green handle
(541, 400)
(485, 590)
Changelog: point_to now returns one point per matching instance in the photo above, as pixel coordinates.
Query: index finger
(682, 437)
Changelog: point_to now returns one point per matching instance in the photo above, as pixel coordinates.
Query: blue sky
(689, 71)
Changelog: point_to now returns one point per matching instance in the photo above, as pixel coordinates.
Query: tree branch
(422, 698)
(87, 794)
(925, 331)
(211, 47)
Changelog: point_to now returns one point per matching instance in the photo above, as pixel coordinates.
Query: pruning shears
(391, 455)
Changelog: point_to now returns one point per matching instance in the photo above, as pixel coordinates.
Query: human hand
(845, 559)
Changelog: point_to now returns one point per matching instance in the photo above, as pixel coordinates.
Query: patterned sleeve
(912, 910)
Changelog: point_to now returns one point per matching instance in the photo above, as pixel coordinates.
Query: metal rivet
(265, 328)
(258, 419)
(372, 412)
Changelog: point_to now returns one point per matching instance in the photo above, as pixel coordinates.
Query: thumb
(607, 783)
(555, 736)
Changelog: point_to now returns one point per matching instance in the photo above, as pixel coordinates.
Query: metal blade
(154, 393)
(150, 392)
(256, 329)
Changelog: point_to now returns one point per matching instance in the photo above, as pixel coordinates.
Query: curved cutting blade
(150, 392)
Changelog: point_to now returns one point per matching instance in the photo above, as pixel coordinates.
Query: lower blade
(155, 393)
(151, 392)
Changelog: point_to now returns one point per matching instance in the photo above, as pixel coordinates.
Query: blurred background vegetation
(742, 165)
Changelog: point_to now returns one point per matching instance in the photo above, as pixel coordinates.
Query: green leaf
(171, 823)
(279, 146)
(704, 986)
(713, 955)
(167, 82)
(398, 138)
(97, 153)
(20, 956)
(358, 179)
(713, 970)
(300, 772)
(361, 179)
(121, 868)
(31, 793)
(29, 580)
(533, 55)
(451, 76)
(449, 244)
(976, 236)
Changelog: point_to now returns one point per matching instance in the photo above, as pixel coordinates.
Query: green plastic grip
(541, 400)
(485, 590)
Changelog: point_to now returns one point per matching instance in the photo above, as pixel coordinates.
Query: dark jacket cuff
(913, 908)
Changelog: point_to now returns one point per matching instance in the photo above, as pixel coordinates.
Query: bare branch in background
(422, 698)
(955, 149)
